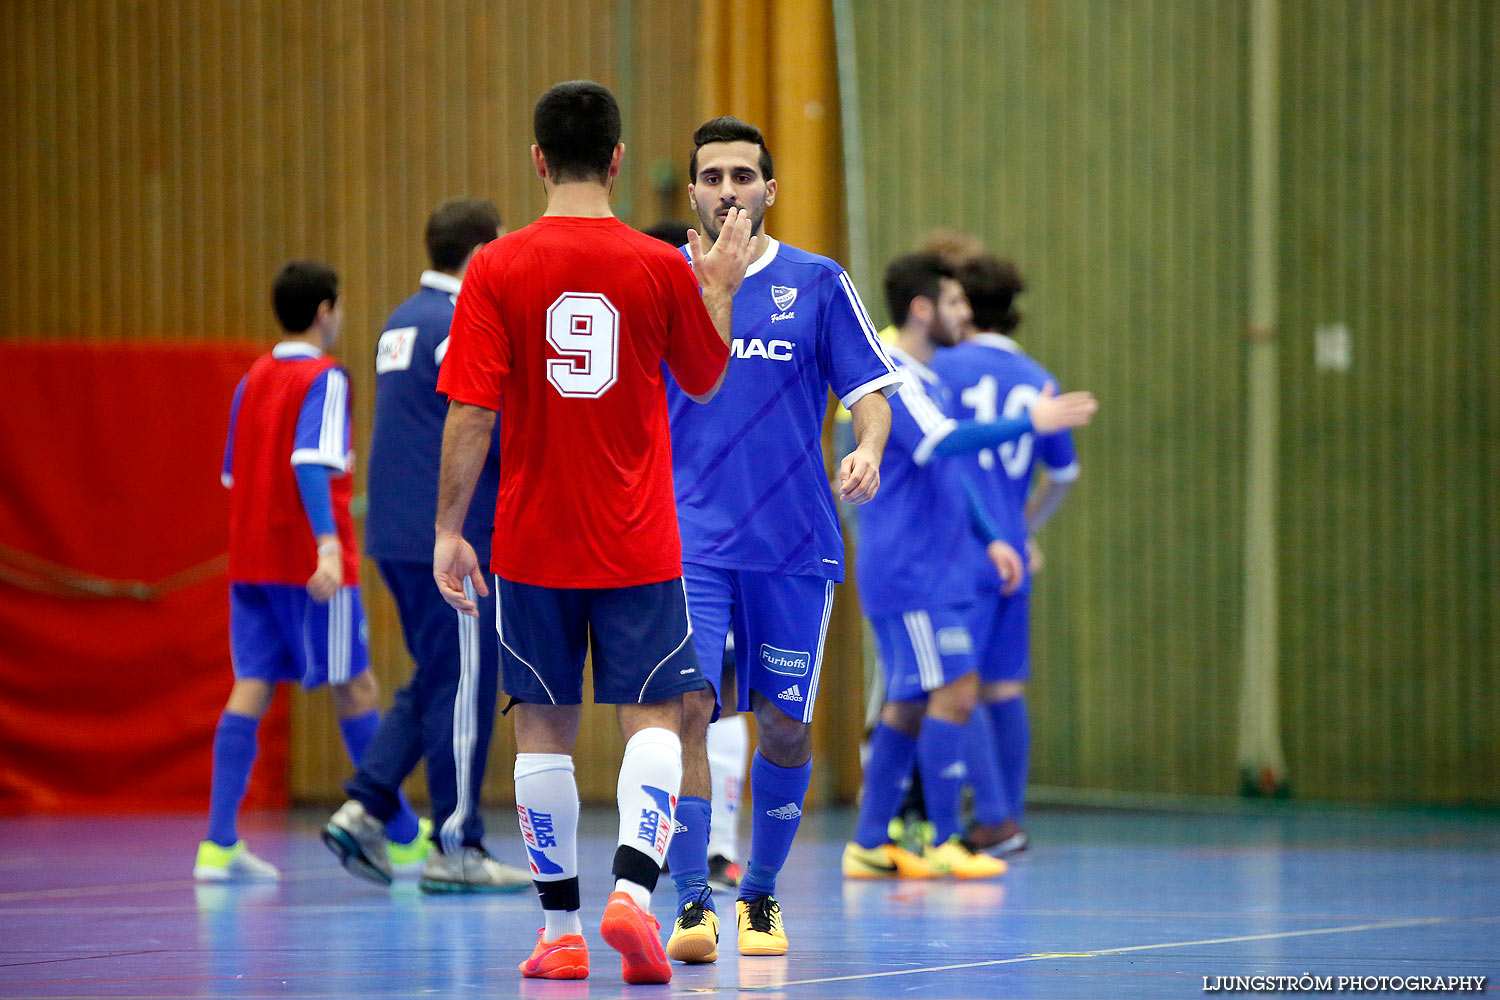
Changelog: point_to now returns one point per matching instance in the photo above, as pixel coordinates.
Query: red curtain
(114, 616)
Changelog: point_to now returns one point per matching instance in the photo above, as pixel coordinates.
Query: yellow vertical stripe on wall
(773, 63)
(162, 159)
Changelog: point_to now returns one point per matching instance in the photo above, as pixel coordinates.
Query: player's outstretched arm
(1052, 413)
(466, 441)
(859, 473)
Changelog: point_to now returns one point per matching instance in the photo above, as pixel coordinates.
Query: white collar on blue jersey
(760, 263)
(295, 349)
(442, 282)
(906, 361)
(997, 340)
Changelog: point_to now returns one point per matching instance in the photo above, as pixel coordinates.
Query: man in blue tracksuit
(446, 712)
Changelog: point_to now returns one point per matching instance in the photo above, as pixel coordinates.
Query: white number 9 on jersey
(584, 327)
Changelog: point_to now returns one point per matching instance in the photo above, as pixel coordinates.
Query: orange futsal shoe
(636, 935)
(565, 958)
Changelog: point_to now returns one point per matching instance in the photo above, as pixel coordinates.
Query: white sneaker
(472, 869)
(231, 864)
(357, 839)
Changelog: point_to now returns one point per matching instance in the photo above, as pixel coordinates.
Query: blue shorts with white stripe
(779, 622)
(277, 632)
(923, 650)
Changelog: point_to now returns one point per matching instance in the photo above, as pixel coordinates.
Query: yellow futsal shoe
(407, 859)
(883, 861)
(911, 833)
(231, 864)
(761, 932)
(954, 859)
(695, 934)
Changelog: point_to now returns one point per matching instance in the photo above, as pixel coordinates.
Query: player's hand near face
(329, 576)
(859, 476)
(453, 562)
(721, 268)
(1052, 413)
(1008, 564)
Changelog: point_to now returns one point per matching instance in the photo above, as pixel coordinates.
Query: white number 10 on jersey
(584, 327)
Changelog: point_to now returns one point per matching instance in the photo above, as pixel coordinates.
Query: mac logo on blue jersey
(785, 661)
(783, 297)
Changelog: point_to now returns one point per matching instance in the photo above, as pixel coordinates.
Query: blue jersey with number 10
(752, 491)
(990, 378)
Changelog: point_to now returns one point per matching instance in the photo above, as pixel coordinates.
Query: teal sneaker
(357, 839)
(471, 869)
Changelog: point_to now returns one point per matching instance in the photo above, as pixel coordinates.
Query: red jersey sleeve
(695, 354)
(478, 357)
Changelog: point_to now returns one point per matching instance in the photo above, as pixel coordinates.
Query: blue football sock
(403, 829)
(1013, 740)
(940, 755)
(891, 755)
(983, 760)
(687, 854)
(358, 731)
(234, 753)
(777, 794)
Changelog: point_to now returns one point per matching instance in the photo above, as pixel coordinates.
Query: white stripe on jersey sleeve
(930, 420)
(1066, 474)
(888, 384)
(920, 405)
(867, 324)
(331, 437)
(335, 406)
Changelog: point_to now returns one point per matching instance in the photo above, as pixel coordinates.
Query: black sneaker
(723, 873)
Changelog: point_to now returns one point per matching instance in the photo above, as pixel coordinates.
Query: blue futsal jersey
(990, 378)
(918, 546)
(752, 490)
(408, 439)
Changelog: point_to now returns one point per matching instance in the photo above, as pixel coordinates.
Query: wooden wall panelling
(1102, 146)
(1389, 534)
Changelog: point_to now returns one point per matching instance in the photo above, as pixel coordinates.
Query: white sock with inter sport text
(650, 777)
(547, 807)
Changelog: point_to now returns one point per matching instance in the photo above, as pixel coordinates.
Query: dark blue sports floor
(1108, 904)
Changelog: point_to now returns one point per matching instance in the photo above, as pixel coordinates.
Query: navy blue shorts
(638, 639)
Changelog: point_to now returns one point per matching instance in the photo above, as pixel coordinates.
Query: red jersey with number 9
(563, 326)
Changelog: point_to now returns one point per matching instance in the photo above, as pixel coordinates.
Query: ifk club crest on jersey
(783, 297)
